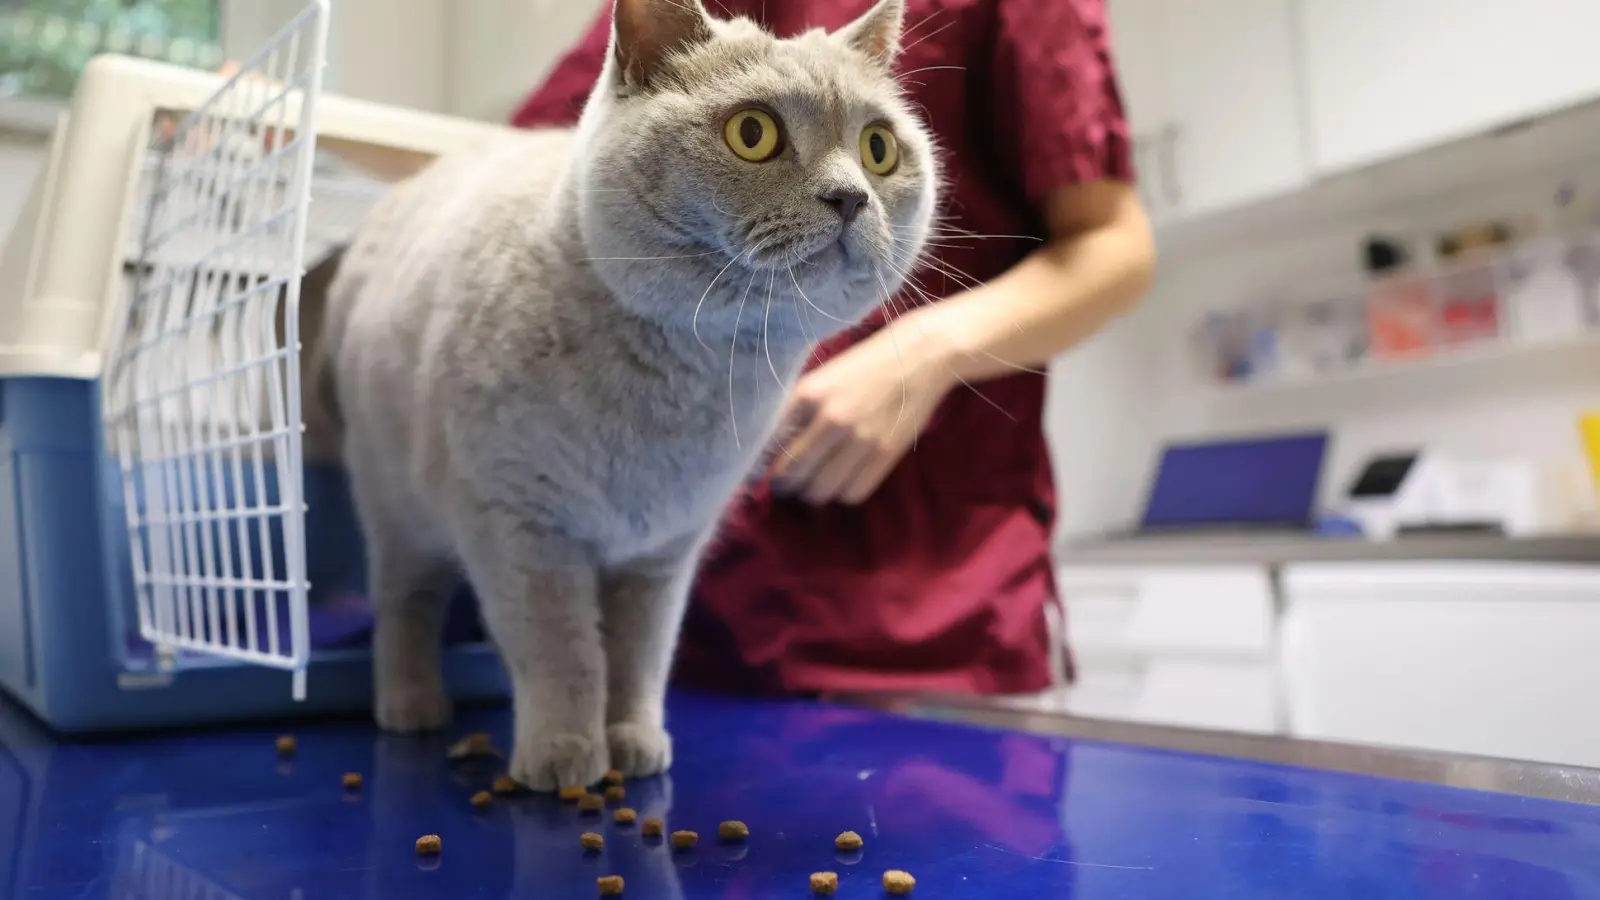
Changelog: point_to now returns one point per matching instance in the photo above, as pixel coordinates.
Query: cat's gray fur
(555, 362)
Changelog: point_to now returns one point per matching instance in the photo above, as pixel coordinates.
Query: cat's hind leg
(410, 588)
(410, 575)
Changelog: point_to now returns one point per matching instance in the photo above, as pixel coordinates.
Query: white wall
(500, 50)
(471, 58)
(1117, 400)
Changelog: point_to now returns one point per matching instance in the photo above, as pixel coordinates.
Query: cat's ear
(648, 32)
(876, 35)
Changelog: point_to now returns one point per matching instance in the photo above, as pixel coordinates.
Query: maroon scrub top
(941, 579)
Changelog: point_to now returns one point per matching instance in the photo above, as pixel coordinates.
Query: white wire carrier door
(202, 393)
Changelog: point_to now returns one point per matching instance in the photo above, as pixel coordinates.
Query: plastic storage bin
(166, 556)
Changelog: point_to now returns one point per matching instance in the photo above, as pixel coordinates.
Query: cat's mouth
(812, 249)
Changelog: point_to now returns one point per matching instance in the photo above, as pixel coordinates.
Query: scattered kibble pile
(898, 882)
(824, 884)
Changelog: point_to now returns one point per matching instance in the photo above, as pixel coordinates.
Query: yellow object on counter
(1589, 426)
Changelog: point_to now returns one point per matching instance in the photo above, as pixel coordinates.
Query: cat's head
(719, 164)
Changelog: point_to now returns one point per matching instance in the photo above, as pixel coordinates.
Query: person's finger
(842, 465)
(797, 458)
(868, 478)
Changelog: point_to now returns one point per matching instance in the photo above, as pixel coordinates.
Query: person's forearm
(1062, 293)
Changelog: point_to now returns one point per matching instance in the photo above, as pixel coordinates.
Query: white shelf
(30, 115)
(1491, 353)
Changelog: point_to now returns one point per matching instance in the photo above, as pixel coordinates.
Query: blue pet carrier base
(64, 564)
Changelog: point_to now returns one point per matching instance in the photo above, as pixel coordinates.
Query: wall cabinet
(1385, 78)
(1212, 92)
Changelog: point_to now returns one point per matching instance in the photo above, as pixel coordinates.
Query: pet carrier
(167, 555)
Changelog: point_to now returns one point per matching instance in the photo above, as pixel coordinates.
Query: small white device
(1426, 490)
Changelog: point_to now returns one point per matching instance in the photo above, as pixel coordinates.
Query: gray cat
(554, 363)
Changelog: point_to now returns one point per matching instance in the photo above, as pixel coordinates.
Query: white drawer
(1485, 659)
(1183, 610)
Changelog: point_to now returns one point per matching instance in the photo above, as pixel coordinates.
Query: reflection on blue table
(971, 813)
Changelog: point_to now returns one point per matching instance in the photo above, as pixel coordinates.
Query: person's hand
(853, 418)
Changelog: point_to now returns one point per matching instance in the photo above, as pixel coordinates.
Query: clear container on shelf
(1467, 303)
(1400, 318)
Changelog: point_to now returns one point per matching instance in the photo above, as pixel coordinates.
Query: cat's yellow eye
(879, 151)
(753, 135)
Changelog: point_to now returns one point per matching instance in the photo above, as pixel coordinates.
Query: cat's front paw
(552, 763)
(413, 706)
(639, 751)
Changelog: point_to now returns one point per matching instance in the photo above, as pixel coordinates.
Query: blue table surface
(971, 813)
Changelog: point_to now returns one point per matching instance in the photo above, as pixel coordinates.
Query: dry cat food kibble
(613, 777)
(429, 845)
(652, 827)
(616, 793)
(848, 841)
(287, 745)
(572, 793)
(591, 803)
(824, 884)
(473, 745)
(505, 784)
(482, 800)
(683, 840)
(733, 831)
(610, 885)
(624, 816)
(592, 841)
(898, 882)
(352, 781)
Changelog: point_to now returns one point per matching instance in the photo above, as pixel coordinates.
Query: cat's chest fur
(625, 434)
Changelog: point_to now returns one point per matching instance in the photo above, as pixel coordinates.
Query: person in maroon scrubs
(902, 540)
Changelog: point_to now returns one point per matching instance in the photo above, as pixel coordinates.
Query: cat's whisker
(824, 313)
(766, 314)
(647, 258)
(916, 286)
(888, 299)
(694, 321)
(933, 69)
(733, 347)
(966, 235)
(800, 317)
(919, 40)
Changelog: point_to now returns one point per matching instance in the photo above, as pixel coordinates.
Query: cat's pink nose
(848, 201)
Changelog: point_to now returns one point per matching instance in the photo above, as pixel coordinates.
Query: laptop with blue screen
(1249, 484)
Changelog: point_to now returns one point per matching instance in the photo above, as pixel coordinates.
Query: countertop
(976, 802)
(1275, 549)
